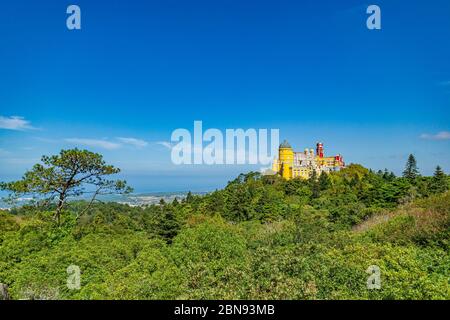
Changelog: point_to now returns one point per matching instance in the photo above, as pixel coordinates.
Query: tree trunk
(4, 295)
(59, 208)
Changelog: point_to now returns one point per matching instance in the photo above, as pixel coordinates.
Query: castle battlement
(291, 164)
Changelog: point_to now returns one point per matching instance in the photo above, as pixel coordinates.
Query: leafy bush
(261, 237)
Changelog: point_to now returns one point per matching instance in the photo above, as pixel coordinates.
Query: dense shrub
(261, 237)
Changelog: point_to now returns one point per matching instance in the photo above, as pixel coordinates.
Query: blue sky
(140, 69)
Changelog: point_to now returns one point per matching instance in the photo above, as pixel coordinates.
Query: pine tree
(411, 172)
(439, 182)
(314, 184)
(189, 197)
(392, 176)
(313, 176)
(324, 181)
(168, 225)
(388, 175)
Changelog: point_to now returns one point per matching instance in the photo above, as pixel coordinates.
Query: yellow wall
(327, 161)
(286, 158)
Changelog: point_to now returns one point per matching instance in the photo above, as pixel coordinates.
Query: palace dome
(285, 144)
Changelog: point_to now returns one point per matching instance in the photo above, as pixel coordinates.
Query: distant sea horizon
(132, 199)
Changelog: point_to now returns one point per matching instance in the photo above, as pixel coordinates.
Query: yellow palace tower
(285, 162)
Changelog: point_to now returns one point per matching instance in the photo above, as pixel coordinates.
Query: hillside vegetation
(261, 237)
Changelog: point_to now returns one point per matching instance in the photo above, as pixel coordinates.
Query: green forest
(261, 237)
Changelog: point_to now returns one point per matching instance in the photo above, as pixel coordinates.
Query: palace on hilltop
(292, 164)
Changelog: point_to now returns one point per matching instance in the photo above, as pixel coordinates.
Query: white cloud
(20, 161)
(166, 144)
(443, 135)
(4, 152)
(15, 123)
(445, 83)
(95, 143)
(46, 140)
(134, 142)
(108, 144)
